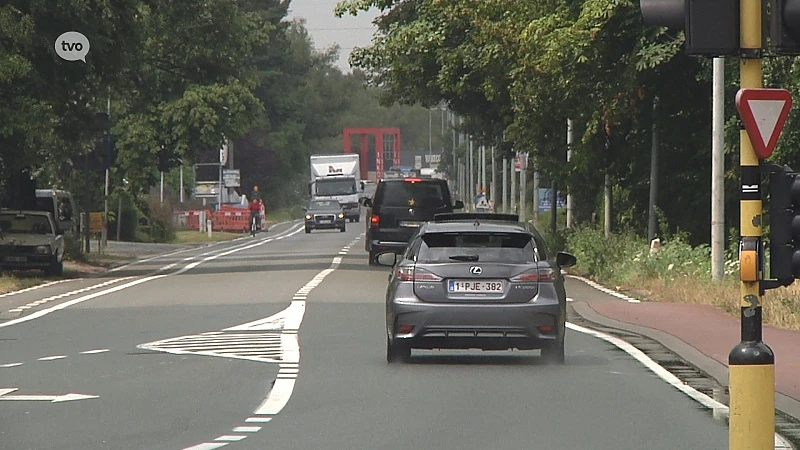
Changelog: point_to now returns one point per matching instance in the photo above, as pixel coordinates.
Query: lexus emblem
(475, 270)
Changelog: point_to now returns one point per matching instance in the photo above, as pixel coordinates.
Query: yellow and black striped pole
(751, 364)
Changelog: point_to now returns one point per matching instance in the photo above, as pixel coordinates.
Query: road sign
(223, 154)
(763, 112)
(231, 177)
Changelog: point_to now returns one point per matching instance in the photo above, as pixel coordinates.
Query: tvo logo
(72, 46)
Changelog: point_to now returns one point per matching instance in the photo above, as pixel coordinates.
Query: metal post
(104, 233)
(535, 193)
(471, 190)
(651, 214)
(513, 191)
(493, 190)
(430, 132)
(607, 194)
(505, 185)
(162, 189)
(751, 363)
(483, 168)
(570, 217)
(718, 172)
(523, 175)
(553, 207)
(181, 189)
(119, 218)
(219, 203)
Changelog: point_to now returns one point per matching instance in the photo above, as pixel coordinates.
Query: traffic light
(711, 26)
(784, 224)
(784, 26)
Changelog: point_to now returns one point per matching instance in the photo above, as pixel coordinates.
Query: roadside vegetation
(676, 272)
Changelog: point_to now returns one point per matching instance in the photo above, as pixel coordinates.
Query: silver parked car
(476, 280)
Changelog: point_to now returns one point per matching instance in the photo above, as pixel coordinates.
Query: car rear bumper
(378, 246)
(325, 226)
(32, 261)
(489, 327)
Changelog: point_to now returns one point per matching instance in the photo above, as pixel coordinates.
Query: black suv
(399, 207)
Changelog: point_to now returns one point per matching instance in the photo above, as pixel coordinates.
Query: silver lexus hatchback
(478, 280)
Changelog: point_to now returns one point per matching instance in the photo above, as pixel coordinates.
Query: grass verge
(196, 237)
(676, 273)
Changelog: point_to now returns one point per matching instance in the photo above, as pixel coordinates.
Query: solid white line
(258, 419)
(52, 358)
(61, 306)
(92, 352)
(277, 399)
(605, 289)
(290, 348)
(11, 365)
(718, 410)
(207, 446)
(246, 429)
(715, 406)
(231, 438)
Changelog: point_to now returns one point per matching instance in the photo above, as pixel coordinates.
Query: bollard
(208, 227)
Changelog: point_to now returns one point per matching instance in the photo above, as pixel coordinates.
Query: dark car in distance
(478, 280)
(325, 215)
(399, 207)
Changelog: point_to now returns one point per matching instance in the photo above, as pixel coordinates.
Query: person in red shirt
(255, 212)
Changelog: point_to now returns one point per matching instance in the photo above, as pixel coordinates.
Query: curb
(713, 368)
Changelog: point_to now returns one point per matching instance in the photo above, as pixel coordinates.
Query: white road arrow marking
(45, 398)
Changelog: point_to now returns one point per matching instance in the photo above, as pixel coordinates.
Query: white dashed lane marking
(284, 326)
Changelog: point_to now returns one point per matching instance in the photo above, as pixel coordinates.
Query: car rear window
(477, 246)
(419, 194)
(26, 224)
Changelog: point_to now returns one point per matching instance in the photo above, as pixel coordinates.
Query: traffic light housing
(784, 26)
(784, 224)
(711, 26)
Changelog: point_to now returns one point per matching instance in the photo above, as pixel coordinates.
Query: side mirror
(387, 259)
(368, 202)
(458, 205)
(565, 259)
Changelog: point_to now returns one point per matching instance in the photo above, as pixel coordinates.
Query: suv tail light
(424, 275)
(541, 275)
(413, 274)
(413, 180)
(374, 221)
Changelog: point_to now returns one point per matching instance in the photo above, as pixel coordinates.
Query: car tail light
(412, 274)
(404, 329)
(546, 329)
(413, 180)
(374, 220)
(425, 276)
(541, 275)
(405, 273)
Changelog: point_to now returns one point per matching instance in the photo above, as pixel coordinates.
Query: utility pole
(104, 233)
(523, 181)
(570, 217)
(505, 185)
(535, 193)
(718, 172)
(651, 213)
(493, 190)
(513, 191)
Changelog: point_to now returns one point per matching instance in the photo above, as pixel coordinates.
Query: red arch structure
(385, 144)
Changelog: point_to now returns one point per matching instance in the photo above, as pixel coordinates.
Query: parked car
(478, 280)
(399, 207)
(325, 214)
(31, 240)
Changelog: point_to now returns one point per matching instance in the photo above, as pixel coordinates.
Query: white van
(61, 205)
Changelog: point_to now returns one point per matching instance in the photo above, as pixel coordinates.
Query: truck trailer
(337, 177)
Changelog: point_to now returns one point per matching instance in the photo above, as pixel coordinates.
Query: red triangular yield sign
(763, 112)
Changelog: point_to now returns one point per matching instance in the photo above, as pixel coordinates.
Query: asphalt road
(174, 355)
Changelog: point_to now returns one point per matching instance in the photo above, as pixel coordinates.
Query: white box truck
(337, 177)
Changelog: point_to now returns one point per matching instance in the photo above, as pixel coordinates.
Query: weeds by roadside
(677, 272)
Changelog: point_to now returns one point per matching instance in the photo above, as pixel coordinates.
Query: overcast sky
(326, 29)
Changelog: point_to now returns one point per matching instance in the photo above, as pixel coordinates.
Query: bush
(73, 250)
(161, 225)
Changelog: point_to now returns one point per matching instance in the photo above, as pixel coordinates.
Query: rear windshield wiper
(465, 257)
